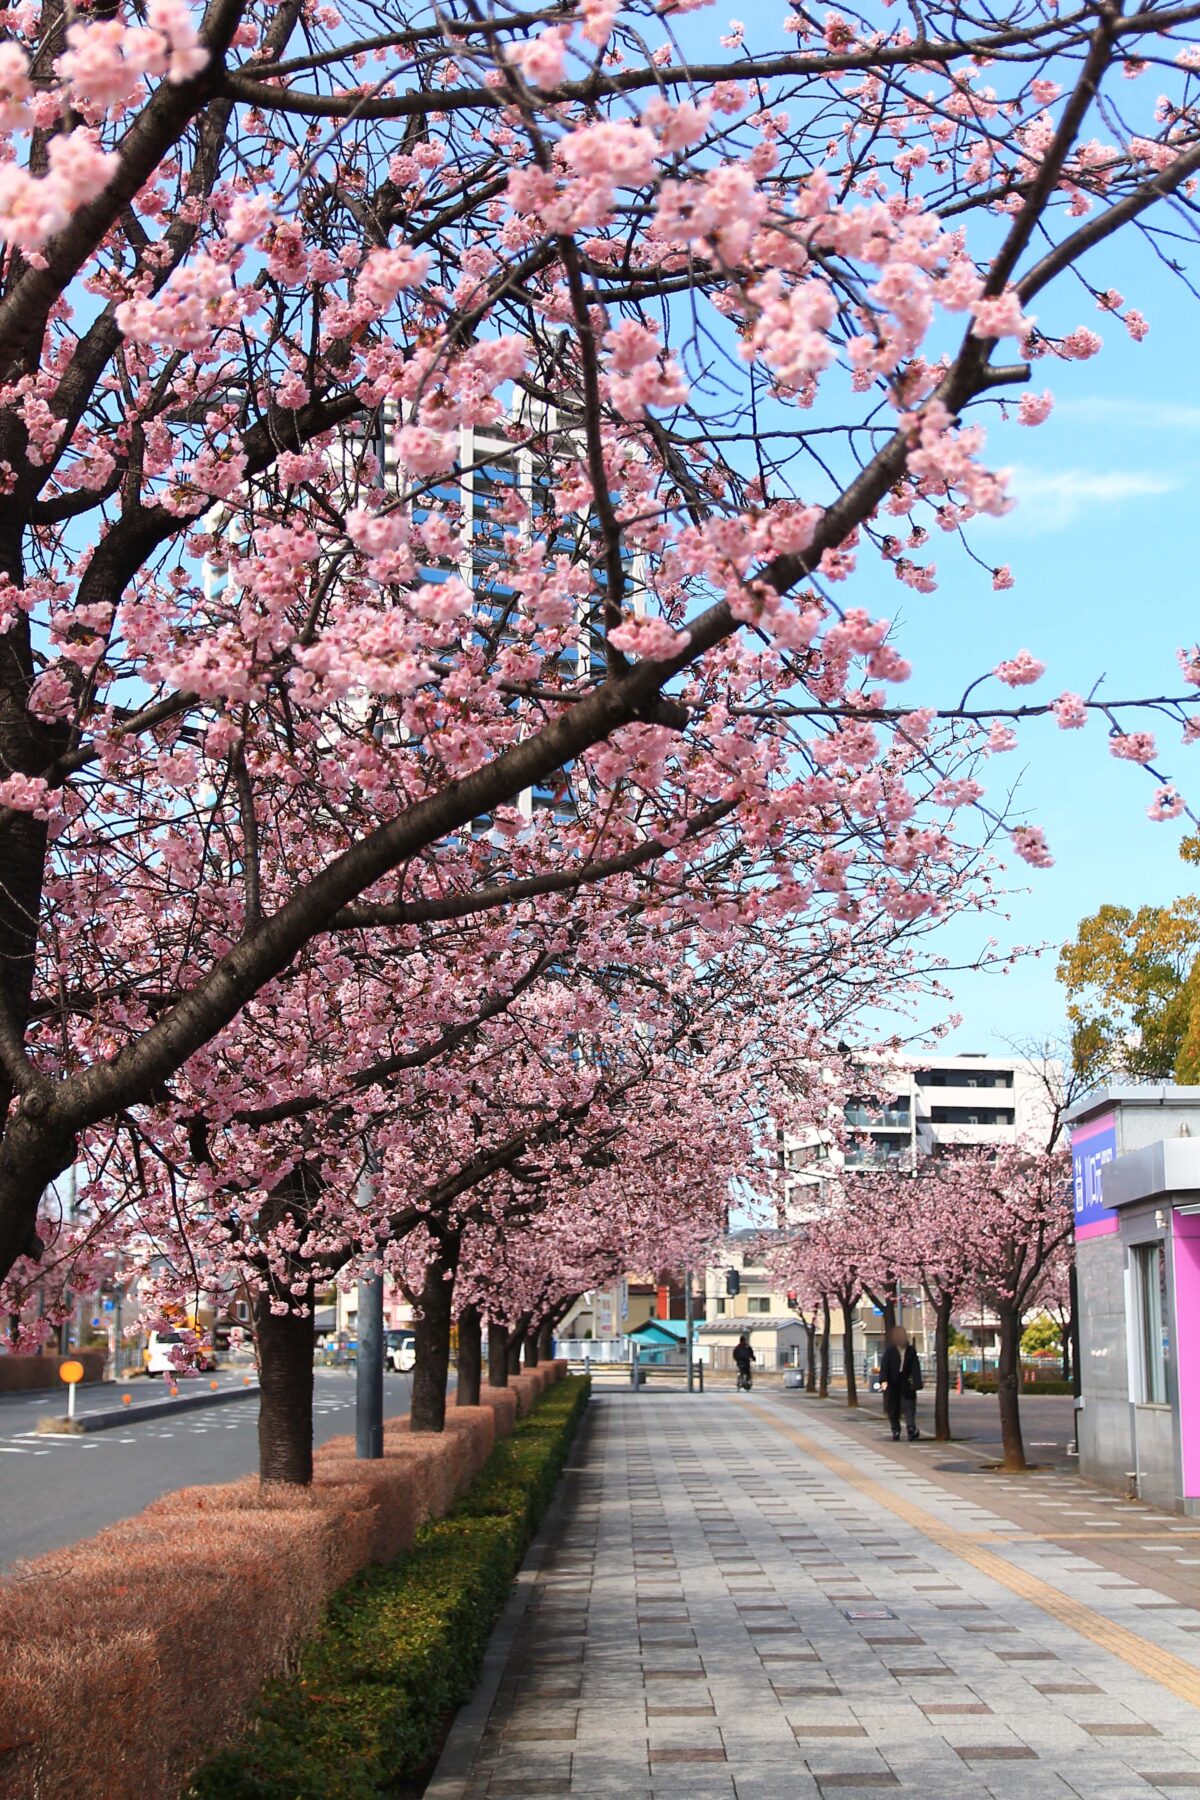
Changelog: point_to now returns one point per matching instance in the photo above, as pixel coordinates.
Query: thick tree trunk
(545, 1339)
(1009, 1387)
(885, 1300)
(531, 1349)
(497, 1354)
(432, 1328)
(823, 1377)
(516, 1340)
(848, 1351)
(810, 1355)
(470, 1356)
(941, 1362)
(285, 1411)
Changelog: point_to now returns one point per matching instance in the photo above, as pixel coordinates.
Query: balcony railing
(879, 1115)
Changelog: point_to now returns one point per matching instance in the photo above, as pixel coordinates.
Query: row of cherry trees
(740, 313)
(969, 1228)
(292, 972)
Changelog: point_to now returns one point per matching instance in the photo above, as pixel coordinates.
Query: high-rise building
(913, 1107)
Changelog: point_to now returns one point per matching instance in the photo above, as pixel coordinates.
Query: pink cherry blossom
(1035, 409)
(1168, 803)
(1020, 670)
(1133, 746)
(1070, 711)
(1000, 316)
(1029, 842)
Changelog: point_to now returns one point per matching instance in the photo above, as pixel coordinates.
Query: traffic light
(733, 1281)
(793, 1300)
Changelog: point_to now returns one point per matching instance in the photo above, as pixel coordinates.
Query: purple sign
(1092, 1145)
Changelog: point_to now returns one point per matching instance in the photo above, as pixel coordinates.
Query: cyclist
(744, 1356)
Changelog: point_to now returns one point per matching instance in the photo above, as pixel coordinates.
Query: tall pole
(368, 1397)
(1076, 1373)
(687, 1314)
(368, 1372)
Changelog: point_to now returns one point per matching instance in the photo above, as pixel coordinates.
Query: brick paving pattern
(744, 1600)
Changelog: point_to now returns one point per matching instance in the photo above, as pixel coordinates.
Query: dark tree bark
(285, 1413)
(1009, 1386)
(847, 1306)
(545, 1339)
(470, 1356)
(1066, 1328)
(941, 1363)
(885, 1300)
(516, 1339)
(531, 1349)
(810, 1355)
(432, 1328)
(823, 1378)
(497, 1354)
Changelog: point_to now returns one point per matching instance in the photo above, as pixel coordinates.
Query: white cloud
(1137, 415)
(1052, 500)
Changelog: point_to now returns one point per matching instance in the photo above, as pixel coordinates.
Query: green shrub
(399, 1648)
(986, 1384)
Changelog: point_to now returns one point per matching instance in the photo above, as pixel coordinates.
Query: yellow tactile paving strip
(1169, 1670)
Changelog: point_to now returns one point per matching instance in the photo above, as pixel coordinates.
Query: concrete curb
(456, 1764)
(111, 1418)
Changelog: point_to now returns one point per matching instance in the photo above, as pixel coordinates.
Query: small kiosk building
(1135, 1153)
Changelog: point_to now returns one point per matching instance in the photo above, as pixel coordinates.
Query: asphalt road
(1047, 1423)
(55, 1490)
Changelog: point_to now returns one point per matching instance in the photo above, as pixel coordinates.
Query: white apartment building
(915, 1107)
(940, 1102)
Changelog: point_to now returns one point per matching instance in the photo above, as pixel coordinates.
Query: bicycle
(745, 1380)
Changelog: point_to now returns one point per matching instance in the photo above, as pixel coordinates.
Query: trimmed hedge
(987, 1384)
(399, 1648)
(86, 1633)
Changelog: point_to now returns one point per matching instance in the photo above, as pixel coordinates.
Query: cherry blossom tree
(925, 1214)
(1021, 1221)
(279, 629)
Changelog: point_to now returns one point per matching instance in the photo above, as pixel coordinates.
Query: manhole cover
(868, 1612)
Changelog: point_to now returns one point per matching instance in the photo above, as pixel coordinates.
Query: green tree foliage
(1133, 982)
(1042, 1333)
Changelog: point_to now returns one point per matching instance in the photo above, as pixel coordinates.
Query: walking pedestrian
(745, 1359)
(901, 1379)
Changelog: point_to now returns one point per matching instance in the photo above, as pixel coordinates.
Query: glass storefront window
(1154, 1343)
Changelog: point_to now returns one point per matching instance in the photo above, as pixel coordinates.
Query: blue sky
(1103, 549)
(1103, 546)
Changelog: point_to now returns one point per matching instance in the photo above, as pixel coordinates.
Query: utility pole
(687, 1314)
(368, 1368)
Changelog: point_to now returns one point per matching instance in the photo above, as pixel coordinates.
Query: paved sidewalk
(743, 1601)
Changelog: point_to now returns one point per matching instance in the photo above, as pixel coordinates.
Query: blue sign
(1092, 1146)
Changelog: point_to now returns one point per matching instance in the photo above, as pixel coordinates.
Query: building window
(1154, 1341)
(971, 1115)
(720, 1303)
(758, 1304)
(962, 1078)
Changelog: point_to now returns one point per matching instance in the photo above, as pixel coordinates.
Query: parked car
(400, 1350)
(160, 1360)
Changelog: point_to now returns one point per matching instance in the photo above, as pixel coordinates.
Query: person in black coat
(901, 1379)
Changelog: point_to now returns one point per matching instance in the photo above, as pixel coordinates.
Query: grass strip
(400, 1647)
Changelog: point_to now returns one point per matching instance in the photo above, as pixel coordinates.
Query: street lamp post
(368, 1368)
(688, 1332)
(368, 1392)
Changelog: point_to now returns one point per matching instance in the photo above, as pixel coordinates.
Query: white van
(160, 1360)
